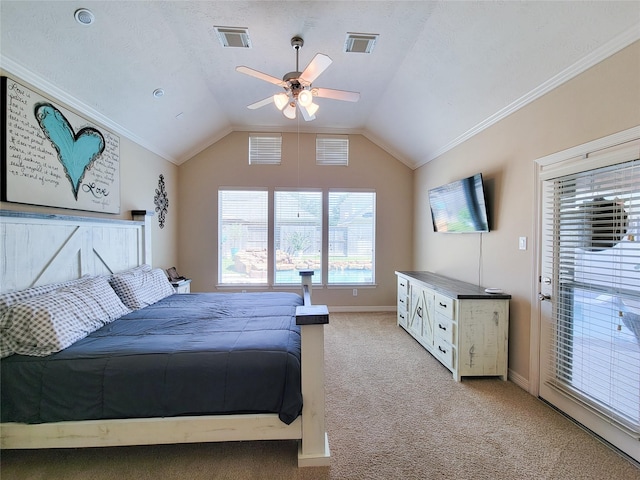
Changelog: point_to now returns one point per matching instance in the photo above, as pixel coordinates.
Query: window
(265, 148)
(332, 150)
(243, 234)
(297, 235)
(268, 242)
(351, 237)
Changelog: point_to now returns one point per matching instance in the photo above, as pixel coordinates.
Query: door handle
(542, 297)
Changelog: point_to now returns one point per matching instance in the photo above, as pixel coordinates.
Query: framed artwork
(55, 158)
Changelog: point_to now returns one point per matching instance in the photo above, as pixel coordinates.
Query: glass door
(590, 294)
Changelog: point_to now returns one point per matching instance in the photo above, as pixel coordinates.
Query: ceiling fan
(298, 89)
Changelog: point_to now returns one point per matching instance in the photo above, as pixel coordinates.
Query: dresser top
(453, 288)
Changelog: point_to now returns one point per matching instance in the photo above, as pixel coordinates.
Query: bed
(133, 380)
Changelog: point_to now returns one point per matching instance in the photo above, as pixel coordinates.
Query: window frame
(321, 280)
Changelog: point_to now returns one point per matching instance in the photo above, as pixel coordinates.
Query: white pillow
(9, 298)
(141, 288)
(51, 322)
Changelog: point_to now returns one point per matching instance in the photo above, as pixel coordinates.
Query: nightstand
(183, 286)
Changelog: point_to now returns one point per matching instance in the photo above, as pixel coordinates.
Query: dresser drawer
(402, 318)
(402, 303)
(445, 305)
(445, 328)
(403, 286)
(444, 352)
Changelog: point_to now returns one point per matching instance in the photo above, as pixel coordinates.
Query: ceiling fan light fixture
(312, 109)
(305, 98)
(290, 111)
(280, 100)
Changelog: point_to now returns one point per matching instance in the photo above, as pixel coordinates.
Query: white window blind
(593, 222)
(332, 150)
(265, 149)
(298, 235)
(352, 227)
(242, 236)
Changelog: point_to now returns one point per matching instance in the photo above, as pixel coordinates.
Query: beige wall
(139, 173)
(225, 164)
(601, 101)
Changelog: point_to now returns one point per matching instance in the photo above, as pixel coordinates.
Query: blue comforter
(194, 354)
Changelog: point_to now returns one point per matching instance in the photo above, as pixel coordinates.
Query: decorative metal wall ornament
(161, 201)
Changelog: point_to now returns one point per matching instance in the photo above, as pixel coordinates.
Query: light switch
(522, 243)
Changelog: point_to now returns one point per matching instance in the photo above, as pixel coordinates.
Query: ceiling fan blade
(261, 103)
(336, 94)
(318, 65)
(262, 76)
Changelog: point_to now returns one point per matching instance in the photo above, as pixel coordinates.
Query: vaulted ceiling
(440, 71)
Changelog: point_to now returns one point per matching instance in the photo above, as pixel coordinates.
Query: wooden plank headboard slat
(37, 249)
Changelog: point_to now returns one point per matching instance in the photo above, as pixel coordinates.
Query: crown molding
(26, 75)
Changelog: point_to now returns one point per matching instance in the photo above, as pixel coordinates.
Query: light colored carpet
(393, 412)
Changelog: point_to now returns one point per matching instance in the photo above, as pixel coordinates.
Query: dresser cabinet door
(417, 311)
(428, 320)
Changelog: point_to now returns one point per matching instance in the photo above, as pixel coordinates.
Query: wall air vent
(233, 36)
(360, 42)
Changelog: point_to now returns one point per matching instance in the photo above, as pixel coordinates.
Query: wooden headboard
(38, 249)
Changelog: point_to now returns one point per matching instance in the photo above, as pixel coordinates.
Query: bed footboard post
(314, 446)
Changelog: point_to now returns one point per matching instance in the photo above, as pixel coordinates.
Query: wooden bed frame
(40, 249)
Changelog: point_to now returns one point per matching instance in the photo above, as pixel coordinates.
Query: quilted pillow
(51, 322)
(141, 288)
(9, 298)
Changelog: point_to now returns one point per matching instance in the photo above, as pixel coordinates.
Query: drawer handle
(401, 300)
(401, 316)
(419, 311)
(440, 348)
(441, 327)
(443, 305)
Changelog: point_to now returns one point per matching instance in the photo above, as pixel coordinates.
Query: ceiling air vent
(233, 36)
(360, 42)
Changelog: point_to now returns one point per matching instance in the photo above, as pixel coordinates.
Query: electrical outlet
(355, 292)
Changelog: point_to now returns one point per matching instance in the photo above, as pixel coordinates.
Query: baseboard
(518, 380)
(362, 308)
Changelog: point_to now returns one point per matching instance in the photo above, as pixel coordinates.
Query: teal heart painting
(76, 151)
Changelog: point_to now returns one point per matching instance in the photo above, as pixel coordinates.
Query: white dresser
(460, 324)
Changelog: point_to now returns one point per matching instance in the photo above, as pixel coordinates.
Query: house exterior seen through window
(330, 232)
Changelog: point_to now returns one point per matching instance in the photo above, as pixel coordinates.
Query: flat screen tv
(459, 207)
